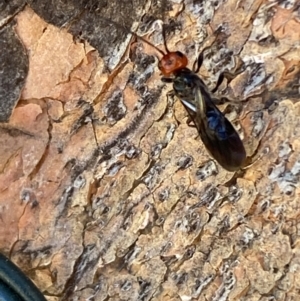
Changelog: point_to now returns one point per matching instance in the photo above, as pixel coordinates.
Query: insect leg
(198, 62)
(167, 80)
(226, 74)
(229, 76)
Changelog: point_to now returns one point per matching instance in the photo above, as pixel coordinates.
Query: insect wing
(217, 133)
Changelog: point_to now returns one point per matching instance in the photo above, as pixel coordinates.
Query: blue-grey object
(15, 285)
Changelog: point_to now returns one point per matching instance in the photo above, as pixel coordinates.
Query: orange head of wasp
(172, 62)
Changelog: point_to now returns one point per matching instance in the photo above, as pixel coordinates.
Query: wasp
(216, 132)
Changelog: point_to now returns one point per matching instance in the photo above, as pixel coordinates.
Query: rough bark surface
(107, 193)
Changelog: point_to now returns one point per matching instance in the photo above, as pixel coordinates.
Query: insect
(216, 132)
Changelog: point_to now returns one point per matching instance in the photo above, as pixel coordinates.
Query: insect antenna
(164, 38)
(134, 34)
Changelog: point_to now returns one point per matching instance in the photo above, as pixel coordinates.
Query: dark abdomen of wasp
(216, 132)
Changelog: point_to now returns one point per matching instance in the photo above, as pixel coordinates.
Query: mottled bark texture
(106, 191)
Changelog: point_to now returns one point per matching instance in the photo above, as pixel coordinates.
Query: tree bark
(106, 191)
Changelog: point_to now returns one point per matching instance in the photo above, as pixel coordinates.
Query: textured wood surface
(106, 193)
